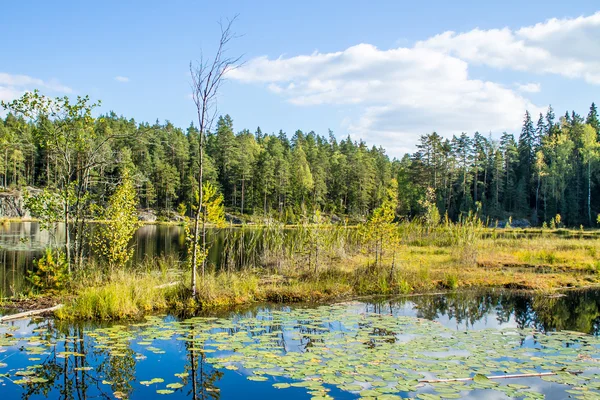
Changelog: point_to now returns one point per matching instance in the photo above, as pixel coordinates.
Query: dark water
(92, 369)
(23, 242)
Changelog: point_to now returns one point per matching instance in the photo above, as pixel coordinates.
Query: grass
(424, 260)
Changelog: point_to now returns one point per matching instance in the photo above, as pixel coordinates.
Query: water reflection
(23, 242)
(575, 310)
(80, 361)
(203, 377)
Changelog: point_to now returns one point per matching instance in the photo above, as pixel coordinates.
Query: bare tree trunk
(537, 197)
(243, 184)
(197, 217)
(265, 201)
(67, 238)
(5, 165)
(590, 192)
(207, 76)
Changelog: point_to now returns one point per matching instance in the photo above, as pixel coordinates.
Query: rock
(335, 219)
(147, 215)
(12, 204)
(233, 219)
(170, 216)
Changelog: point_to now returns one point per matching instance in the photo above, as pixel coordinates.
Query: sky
(385, 72)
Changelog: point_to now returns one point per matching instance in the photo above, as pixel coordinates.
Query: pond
(23, 242)
(371, 349)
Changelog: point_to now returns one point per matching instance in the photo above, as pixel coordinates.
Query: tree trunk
(67, 238)
(265, 201)
(590, 192)
(243, 184)
(537, 196)
(5, 166)
(197, 217)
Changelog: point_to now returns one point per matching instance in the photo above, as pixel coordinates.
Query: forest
(546, 173)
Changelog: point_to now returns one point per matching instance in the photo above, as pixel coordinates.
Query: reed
(318, 260)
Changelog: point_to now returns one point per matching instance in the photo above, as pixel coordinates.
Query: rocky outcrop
(233, 219)
(12, 204)
(147, 215)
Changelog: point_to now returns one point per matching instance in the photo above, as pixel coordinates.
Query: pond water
(372, 349)
(23, 242)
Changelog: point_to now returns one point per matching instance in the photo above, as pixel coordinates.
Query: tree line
(549, 169)
(546, 175)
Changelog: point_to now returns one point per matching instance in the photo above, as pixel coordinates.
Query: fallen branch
(29, 313)
(166, 285)
(494, 377)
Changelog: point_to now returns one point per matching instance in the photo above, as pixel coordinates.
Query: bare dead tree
(208, 74)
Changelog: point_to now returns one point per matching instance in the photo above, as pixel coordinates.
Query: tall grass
(318, 260)
(122, 293)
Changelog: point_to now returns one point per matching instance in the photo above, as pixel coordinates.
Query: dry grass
(542, 262)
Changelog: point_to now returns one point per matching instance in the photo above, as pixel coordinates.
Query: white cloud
(13, 86)
(122, 79)
(399, 93)
(529, 87)
(567, 47)
(19, 82)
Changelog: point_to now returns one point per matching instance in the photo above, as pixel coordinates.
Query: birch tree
(207, 76)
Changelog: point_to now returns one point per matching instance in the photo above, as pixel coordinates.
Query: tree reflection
(76, 368)
(203, 377)
(576, 310)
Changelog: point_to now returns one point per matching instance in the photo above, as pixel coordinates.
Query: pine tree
(540, 131)
(549, 120)
(592, 119)
(508, 147)
(302, 179)
(526, 156)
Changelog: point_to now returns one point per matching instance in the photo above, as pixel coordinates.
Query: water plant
(322, 350)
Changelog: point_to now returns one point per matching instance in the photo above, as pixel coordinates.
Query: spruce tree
(525, 150)
(592, 119)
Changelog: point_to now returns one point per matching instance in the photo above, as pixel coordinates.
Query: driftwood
(494, 377)
(165, 285)
(29, 313)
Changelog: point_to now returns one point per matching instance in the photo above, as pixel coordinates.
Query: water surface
(372, 348)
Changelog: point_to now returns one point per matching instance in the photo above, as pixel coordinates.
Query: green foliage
(212, 204)
(432, 213)
(44, 142)
(380, 232)
(46, 205)
(182, 209)
(120, 221)
(49, 272)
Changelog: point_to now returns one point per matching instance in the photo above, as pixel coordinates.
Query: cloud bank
(13, 86)
(401, 93)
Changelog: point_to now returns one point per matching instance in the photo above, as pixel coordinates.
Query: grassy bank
(542, 263)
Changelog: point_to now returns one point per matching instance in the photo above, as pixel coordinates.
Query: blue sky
(378, 70)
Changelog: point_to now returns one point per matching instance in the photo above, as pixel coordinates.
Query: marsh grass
(313, 262)
(122, 293)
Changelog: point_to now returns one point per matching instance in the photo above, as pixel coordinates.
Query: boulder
(233, 219)
(12, 204)
(147, 215)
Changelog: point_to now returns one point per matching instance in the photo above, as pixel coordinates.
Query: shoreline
(18, 305)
